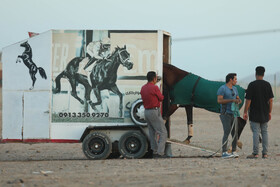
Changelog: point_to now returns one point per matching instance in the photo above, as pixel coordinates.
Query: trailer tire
(97, 146)
(133, 144)
(137, 113)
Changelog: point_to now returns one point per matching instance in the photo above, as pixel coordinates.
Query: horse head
(27, 50)
(25, 44)
(124, 57)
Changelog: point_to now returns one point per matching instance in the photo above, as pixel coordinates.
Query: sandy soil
(66, 165)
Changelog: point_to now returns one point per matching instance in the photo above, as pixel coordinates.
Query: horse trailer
(71, 86)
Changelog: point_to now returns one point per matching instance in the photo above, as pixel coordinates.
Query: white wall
(16, 85)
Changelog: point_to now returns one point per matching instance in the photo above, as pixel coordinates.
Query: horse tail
(42, 73)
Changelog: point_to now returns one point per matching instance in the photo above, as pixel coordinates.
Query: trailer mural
(81, 86)
(26, 57)
(96, 75)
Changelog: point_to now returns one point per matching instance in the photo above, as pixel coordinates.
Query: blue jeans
(227, 121)
(258, 128)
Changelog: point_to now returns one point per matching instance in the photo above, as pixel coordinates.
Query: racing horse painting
(27, 60)
(74, 78)
(101, 81)
(189, 90)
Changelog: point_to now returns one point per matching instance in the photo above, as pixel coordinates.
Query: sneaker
(227, 155)
(235, 155)
(253, 156)
(265, 156)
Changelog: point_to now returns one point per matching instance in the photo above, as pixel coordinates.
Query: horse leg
(73, 83)
(189, 111)
(32, 75)
(97, 94)
(116, 90)
(82, 79)
(172, 108)
(57, 83)
(19, 57)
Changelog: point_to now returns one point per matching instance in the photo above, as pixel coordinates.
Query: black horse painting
(104, 75)
(75, 78)
(191, 96)
(27, 60)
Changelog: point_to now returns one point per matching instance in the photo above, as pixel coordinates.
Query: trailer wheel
(97, 146)
(137, 113)
(133, 144)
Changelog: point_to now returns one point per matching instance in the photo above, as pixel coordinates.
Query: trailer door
(36, 115)
(12, 115)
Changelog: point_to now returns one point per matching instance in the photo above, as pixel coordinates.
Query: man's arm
(239, 100)
(247, 105)
(270, 102)
(159, 95)
(221, 100)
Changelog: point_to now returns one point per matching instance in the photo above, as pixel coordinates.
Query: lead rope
(235, 109)
(233, 125)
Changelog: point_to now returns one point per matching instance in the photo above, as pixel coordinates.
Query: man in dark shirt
(152, 97)
(259, 99)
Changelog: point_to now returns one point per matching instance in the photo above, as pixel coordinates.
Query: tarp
(205, 93)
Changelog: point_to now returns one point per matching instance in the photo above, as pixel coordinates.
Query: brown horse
(173, 75)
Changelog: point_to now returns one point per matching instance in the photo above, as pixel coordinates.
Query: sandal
(265, 156)
(253, 156)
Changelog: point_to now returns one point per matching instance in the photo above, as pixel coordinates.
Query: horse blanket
(199, 92)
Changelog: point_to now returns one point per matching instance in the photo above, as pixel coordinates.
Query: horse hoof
(186, 141)
(55, 91)
(93, 107)
(239, 144)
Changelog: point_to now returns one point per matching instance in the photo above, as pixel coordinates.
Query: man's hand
(245, 116)
(269, 116)
(240, 101)
(236, 101)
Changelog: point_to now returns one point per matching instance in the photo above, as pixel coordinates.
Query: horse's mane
(117, 49)
(171, 67)
(172, 75)
(114, 52)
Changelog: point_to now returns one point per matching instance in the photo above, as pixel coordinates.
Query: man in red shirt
(152, 97)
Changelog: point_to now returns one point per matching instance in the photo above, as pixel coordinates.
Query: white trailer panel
(58, 107)
(12, 115)
(36, 115)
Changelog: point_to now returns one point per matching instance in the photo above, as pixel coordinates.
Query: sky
(189, 22)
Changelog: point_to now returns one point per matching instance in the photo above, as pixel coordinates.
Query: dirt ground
(65, 164)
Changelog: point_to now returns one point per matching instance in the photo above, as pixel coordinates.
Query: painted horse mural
(74, 78)
(104, 75)
(27, 60)
(189, 90)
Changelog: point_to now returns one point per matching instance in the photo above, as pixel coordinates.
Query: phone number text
(83, 115)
